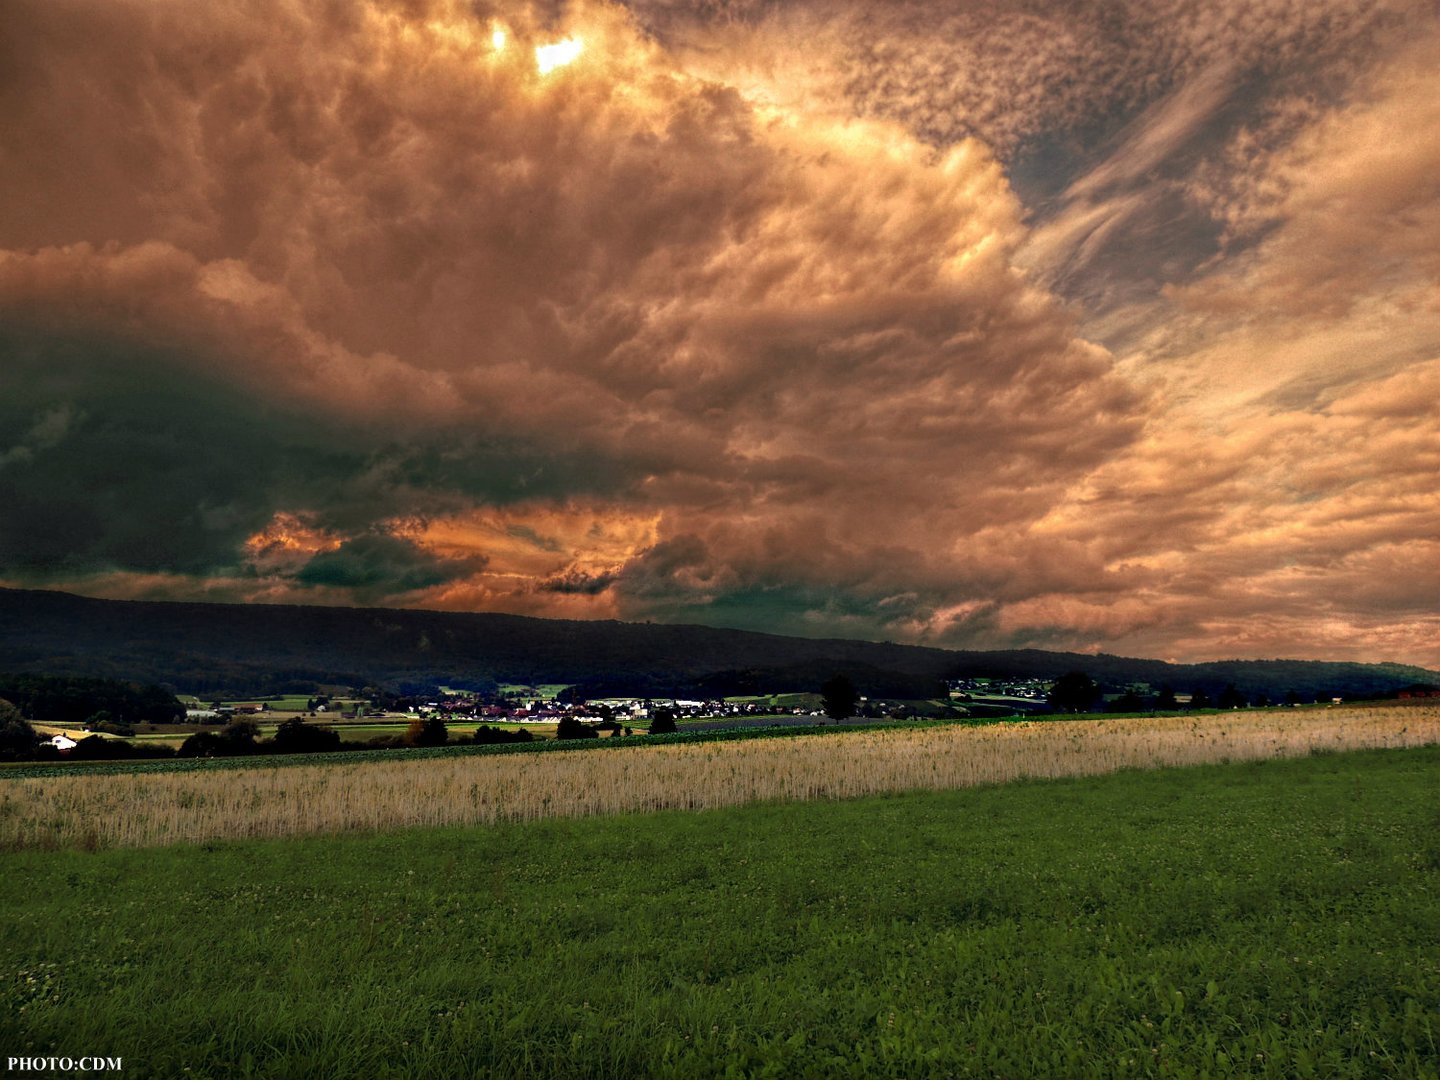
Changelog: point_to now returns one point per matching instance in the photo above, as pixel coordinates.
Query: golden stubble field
(142, 810)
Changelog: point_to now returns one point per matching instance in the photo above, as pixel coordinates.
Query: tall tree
(1074, 692)
(838, 697)
(18, 740)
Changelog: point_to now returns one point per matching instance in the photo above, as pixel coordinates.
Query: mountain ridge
(207, 647)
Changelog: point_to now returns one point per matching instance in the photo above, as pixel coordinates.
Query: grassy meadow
(254, 798)
(1273, 918)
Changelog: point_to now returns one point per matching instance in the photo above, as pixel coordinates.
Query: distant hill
(252, 648)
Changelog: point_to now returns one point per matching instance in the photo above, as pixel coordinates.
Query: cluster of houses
(537, 711)
(1034, 689)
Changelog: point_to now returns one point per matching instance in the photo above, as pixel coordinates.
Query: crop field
(1274, 918)
(154, 808)
(544, 691)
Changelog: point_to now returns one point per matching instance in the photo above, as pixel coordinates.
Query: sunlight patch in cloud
(558, 54)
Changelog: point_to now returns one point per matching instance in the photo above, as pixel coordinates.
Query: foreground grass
(364, 792)
(1274, 918)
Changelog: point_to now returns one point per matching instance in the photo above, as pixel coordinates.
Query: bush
(236, 740)
(486, 735)
(297, 737)
(96, 748)
(663, 722)
(1128, 702)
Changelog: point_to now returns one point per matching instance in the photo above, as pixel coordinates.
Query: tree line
(1076, 691)
(74, 699)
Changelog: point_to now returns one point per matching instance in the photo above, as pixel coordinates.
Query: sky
(1100, 325)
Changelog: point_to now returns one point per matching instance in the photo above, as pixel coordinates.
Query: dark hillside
(255, 648)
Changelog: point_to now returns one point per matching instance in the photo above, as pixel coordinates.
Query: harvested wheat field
(141, 810)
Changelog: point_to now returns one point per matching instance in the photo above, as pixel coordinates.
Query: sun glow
(549, 57)
(498, 39)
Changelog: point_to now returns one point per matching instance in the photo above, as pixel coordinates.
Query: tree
(205, 744)
(1231, 698)
(1200, 700)
(1128, 702)
(240, 736)
(1074, 692)
(1165, 701)
(427, 731)
(663, 722)
(237, 739)
(18, 741)
(838, 697)
(570, 728)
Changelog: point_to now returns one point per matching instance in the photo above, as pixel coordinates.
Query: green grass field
(545, 691)
(1270, 919)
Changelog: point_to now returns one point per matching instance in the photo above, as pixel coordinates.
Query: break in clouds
(1068, 326)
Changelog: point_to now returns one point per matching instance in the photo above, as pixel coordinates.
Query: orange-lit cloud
(759, 314)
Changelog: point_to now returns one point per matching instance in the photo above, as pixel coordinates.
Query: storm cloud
(891, 335)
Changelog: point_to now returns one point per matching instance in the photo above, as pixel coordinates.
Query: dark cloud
(152, 469)
(382, 565)
(122, 456)
(578, 582)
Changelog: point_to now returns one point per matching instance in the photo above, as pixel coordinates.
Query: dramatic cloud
(781, 315)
